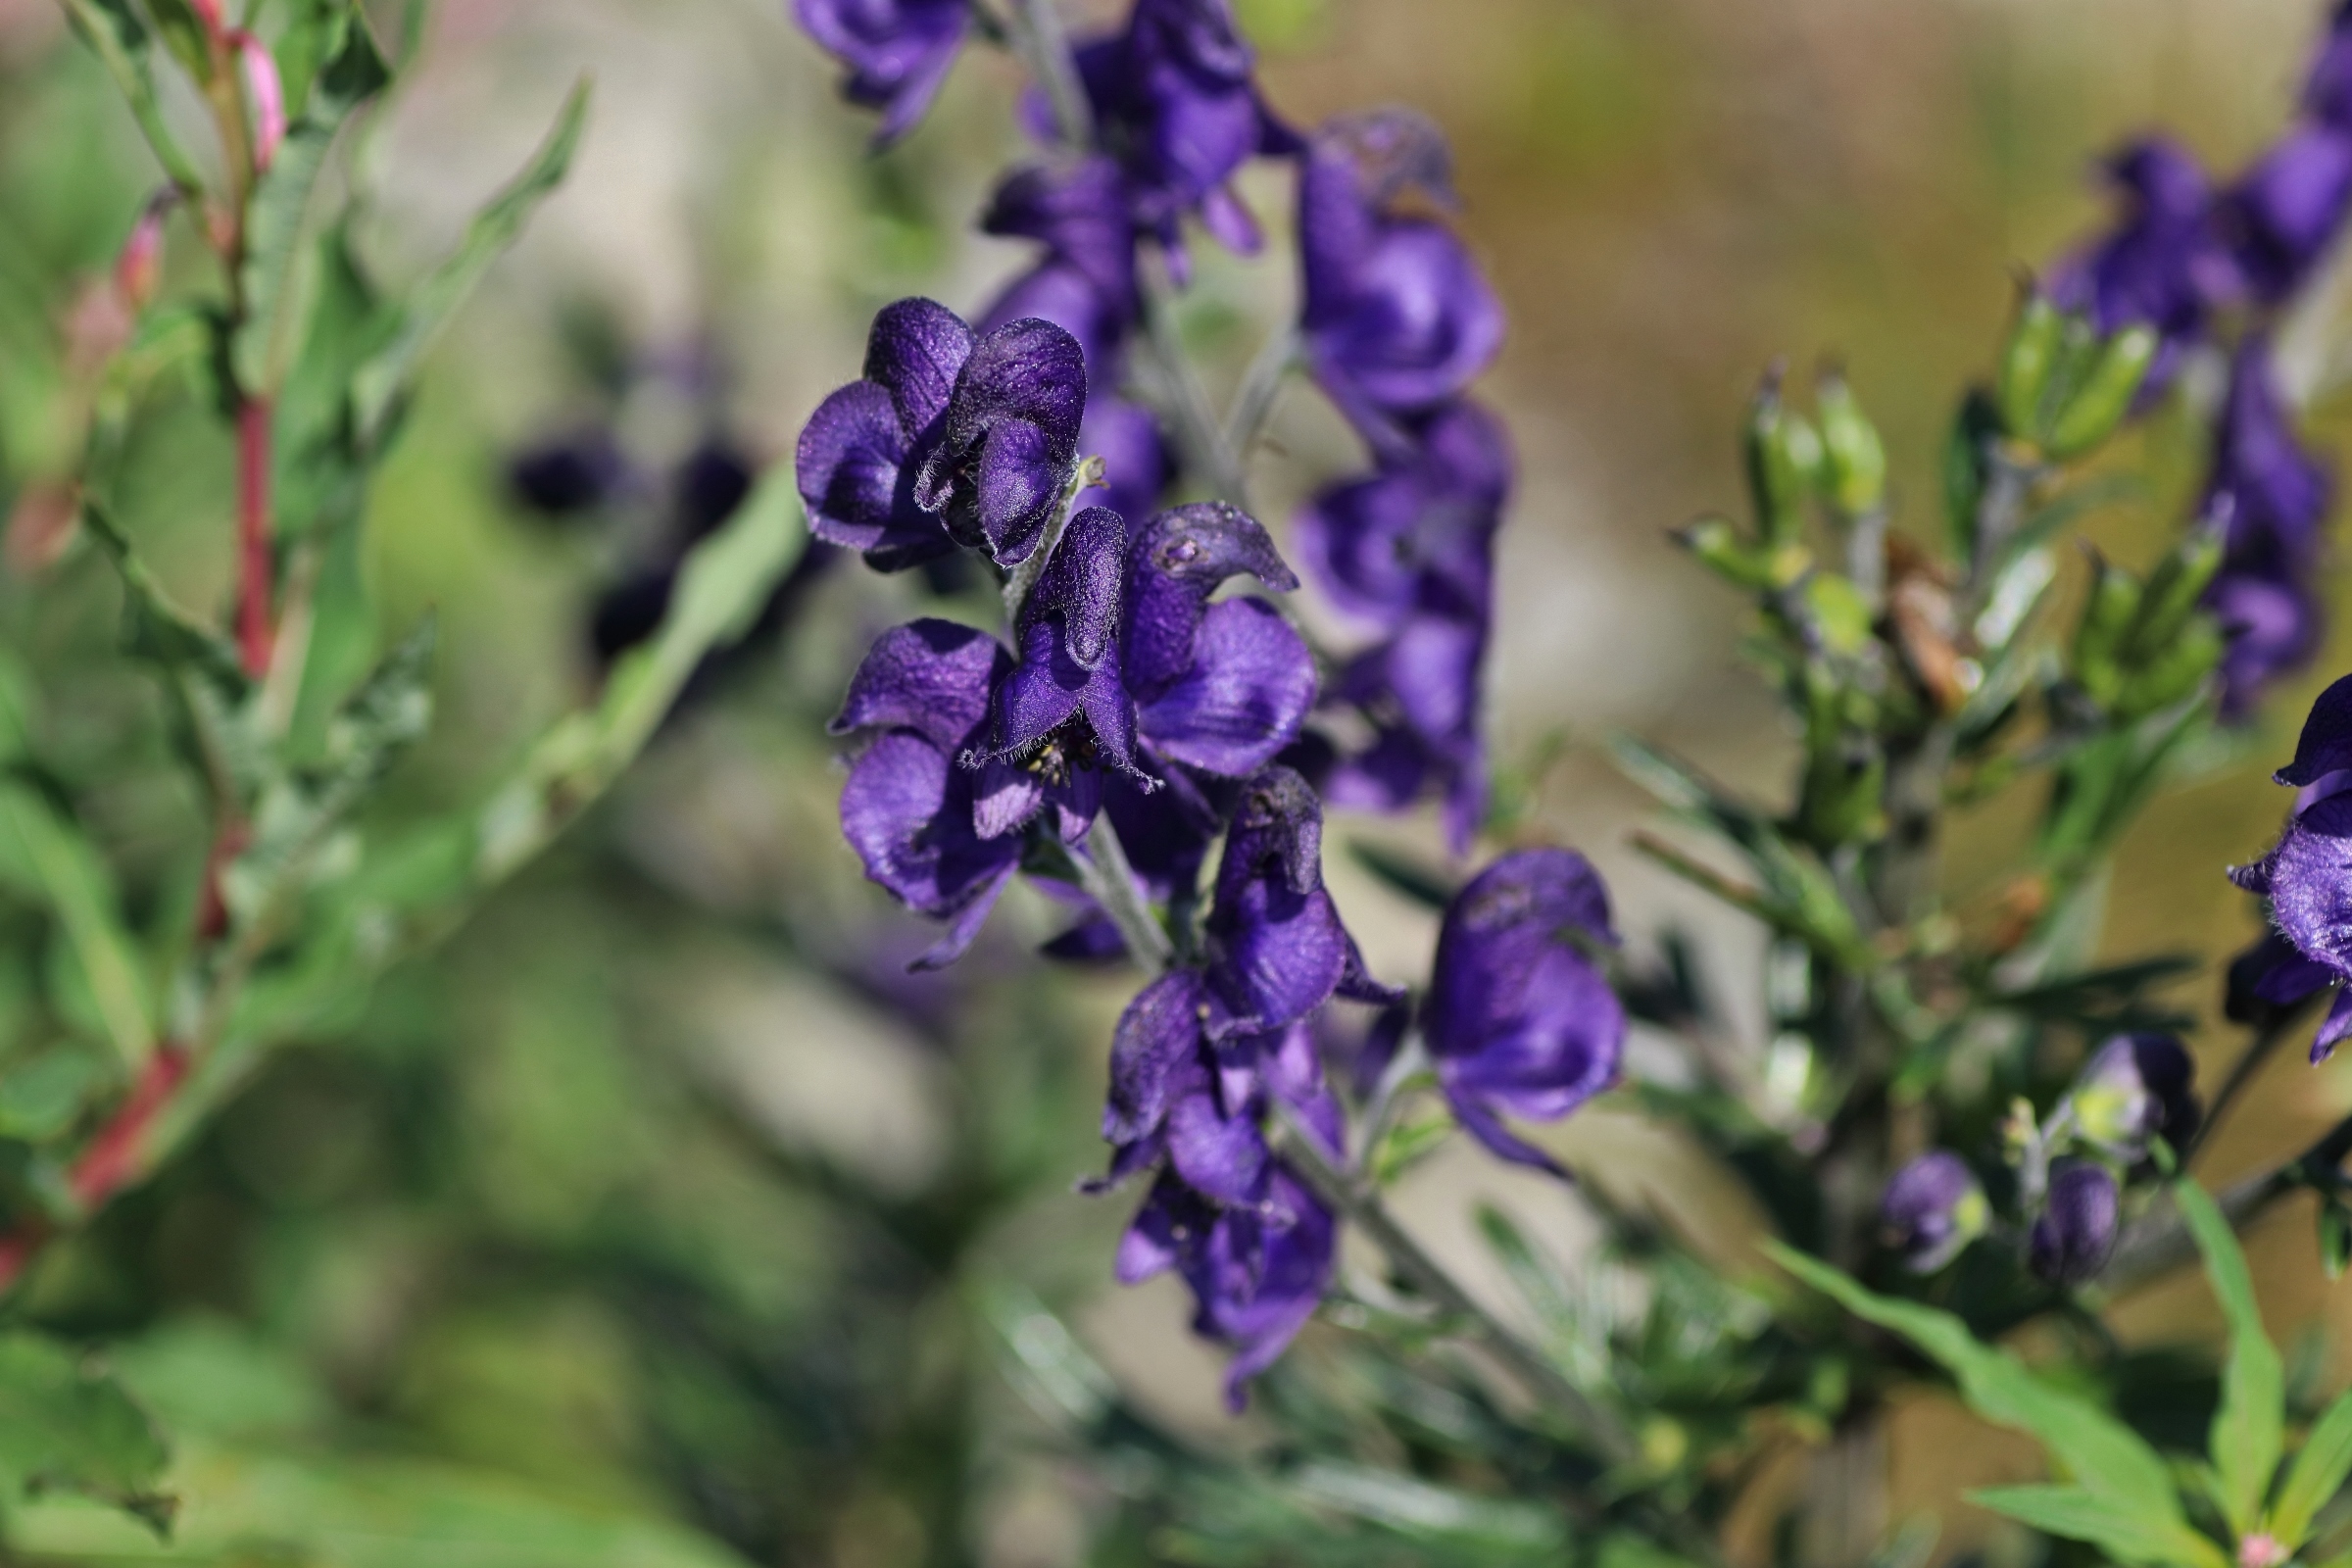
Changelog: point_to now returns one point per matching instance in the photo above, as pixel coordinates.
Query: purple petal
(1159, 1030)
(1220, 1155)
(1083, 585)
(964, 927)
(1179, 558)
(848, 465)
(2334, 1028)
(1250, 687)
(916, 350)
(906, 811)
(2326, 744)
(932, 677)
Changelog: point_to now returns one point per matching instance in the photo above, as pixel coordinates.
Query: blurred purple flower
(1397, 316)
(864, 445)
(2270, 500)
(2328, 92)
(2135, 1088)
(894, 53)
(998, 473)
(2270, 980)
(1136, 465)
(1257, 1272)
(1518, 1018)
(2163, 262)
(1085, 281)
(1932, 1208)
(2284, 214)
(2074, 1235)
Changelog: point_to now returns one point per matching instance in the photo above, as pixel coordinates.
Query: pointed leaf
(119, 35)
(2125, 1533)
(2317, 1474)
(47, 858)
(2247, 1428)
(71, 1427)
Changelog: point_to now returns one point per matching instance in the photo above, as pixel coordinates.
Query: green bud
(1845, 785)
(1855, 458)
(2098, 640)
(2178, 581)
(2173, 672)
(2027, 361)
(2091, 414)
(1784, 462)
(1839, 612)
(1721, 547)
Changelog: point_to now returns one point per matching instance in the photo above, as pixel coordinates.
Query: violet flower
(1085, 281)
(1011, 438)
(1257, 1273)
(1932, 1208)
(862, 448)
(894, 53)
(1518, 1018)
(2284, 214)
(2135, 1089)
(2075, 1236)
(2327, 90)
(1173, 97)
(2307, 876)
(2270, 499)
(1397, 317)
(2163, 263)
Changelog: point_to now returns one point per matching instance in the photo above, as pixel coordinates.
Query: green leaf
(161, 631)
(43, 1096)
(276, 297)
(2128, 1535)
(1404, 874)
(2317, 1474)
(2247, 1428)
(116, 31)
(69, 1426)
(382, 383)
(47, 858)
(2104, 1455)
(1432, 1514)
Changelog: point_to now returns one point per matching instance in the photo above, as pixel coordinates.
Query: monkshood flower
(1257, 1272)
(2164, 263)
(2074, 1235)
(894, 53)
(2135, 1089)
(1085, 280)
(1173, 100)
(2270, 499)
(2307, 876)
(862, 449)
(1396, 318)
(1932, 1208)
(1003, 457)
(1519, 1019)
(2270, 982)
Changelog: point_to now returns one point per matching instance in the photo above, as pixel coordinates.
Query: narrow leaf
(383, 382)
(2126, 1533)
(2246, 1429)
(48, 858)
(2318, 1472)
(115, 30)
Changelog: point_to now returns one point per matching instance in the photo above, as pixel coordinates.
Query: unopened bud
(139, 265)
(2136, 1088)
(2174, 590)
(266, 96)
(2075, 1236)
(1934, 1208)
(208, 12)
(2027, 361)
(2098, 640)
(2091, 416)
(1728, 555)
(1783, 462)
(1855, 458)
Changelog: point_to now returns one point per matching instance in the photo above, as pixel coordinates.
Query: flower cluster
(2189, 257)
(1131, 718)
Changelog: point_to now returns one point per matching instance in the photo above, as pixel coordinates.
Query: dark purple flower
(894, 53)
(1004, 460)
(1933, 1208)
(709, 485)
(2271, 981)
(1518, 1018)
(1173, 99)
(2076, 1232)
(1085, 281)
(2284, 214)
(2163, 263)
(1064, 707)
(565, 477)
(2135, 1088)
(2307, 876)
(2328, 92)
(1257, 1272)
(864, 445)
(2270, 499)
(908, 810)
(1397, 316)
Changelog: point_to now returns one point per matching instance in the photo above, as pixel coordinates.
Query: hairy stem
(1109, 881)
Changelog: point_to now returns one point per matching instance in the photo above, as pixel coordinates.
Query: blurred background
(662, 1190)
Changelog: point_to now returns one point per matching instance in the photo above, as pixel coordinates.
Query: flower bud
(1854, 457)
(2076, 1234)
(2091, 415)
(1783, 462)
(2134, 1089)
(2027, 361)
(2172, 595)
(266, 96)
(1721, 549)
(1933, 1208)
(139, 265)
(2192, 654)
(2098, 640)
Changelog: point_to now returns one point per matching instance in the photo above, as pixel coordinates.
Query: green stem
(1109, 881)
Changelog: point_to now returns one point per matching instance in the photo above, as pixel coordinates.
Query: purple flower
(2307, 876)
(2271, 980)
(2270, 500)
(1933, 1208)
(1173, 98)
(1518, 1018)
(922, 696)
(1257, 1272)
(2163, 263)
(2075, 1236)
(1085, 282)
(998, 473)
(1397, 316)
(2328, 92)
(2284, 213)
(2135, 1089)
(894, 53)
(1277, 949)
(863, 446)
(570, 475)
